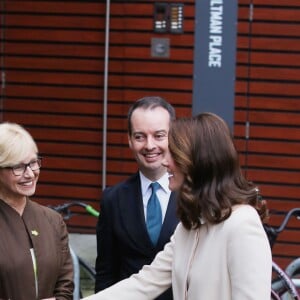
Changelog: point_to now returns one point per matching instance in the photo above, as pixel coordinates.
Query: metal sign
(215, 57)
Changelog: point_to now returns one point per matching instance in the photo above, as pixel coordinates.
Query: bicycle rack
(76, 295)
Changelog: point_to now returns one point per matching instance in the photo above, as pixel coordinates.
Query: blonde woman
(35, 261)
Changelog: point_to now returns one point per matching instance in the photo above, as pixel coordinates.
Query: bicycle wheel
(87, 278)
(282, 285)
(75, 260)
(293, 271)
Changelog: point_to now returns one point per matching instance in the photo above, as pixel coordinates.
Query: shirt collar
(163, 181)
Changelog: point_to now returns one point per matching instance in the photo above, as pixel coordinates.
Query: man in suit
(124, 242)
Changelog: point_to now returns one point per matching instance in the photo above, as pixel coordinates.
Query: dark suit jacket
(123, 244)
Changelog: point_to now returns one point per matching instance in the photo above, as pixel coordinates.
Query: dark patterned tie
(154, 216)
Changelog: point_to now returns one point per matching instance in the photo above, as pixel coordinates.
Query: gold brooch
(34, 232)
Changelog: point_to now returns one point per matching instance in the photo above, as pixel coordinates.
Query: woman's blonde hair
(15, 144)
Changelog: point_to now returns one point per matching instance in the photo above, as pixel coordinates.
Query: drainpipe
(105, 86)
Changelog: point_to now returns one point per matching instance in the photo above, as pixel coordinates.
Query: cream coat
(228, 261)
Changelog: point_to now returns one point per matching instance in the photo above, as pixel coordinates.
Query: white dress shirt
(163, 193)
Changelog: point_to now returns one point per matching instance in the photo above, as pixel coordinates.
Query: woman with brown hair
(220, 249)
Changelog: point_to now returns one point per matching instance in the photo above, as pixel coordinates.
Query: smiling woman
(220, 234)
(35, 261)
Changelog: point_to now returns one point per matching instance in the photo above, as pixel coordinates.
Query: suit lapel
(170, 222)
(132, 213)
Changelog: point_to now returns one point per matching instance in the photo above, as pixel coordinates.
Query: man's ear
(129, 141)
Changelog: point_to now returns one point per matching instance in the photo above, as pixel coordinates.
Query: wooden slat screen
(52, 54)
(53, 59)
(267, 109)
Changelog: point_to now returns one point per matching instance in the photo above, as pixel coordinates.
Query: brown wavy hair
(202, 147)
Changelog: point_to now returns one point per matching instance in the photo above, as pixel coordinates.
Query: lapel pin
(34, 232)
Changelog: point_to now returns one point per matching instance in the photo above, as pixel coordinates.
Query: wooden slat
(78, 36)
(267, 103)
(72, 163)
(290, 250)
(268, 58)
(58, 135)
(289, 235)
(272, 147)
(282, 202)
(269, 132)
(54, 78)
(96, 65)
(131, 52)
(57, 50)
(289, 191)
(276, 89)
(243, 12)
(269, 117)
(174, 97)
(54, 92)
(261, 28)
(154, 82)
(143, 38)
(67, 191)
(57, 63)
(66, 107)
(65, 177)
(276, 44)
(269, 43)
(278, 177)
(162, 67)
(55, 21)
(56, 7)
(48, 120)
(71, 149)
(279, 4)
(282, 74)
(87, 165)
(71, 80)
(272, 28)
(54, 35)
(94, 94)
(279, 14)
(144, 53)
(273, 161)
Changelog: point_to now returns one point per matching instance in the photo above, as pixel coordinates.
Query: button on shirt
(163, 193)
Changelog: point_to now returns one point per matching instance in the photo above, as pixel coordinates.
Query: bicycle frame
(293, 269)
(284, 288)
(64, 209)
(283, 285)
